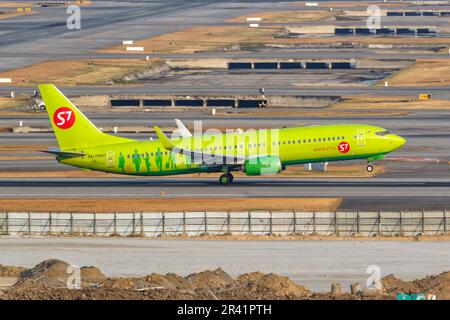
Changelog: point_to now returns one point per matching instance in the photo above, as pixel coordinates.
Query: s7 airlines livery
(257, 152)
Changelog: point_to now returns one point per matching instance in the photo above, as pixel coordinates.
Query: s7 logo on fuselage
(343, 147)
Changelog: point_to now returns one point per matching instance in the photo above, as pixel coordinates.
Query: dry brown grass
(10, 103)
(199, 39)
(349, 4)
(75, 72)
(422, 73)
(216, 38)
(375, 103)
(14, 149)
(19, 158)
(14, 4)
(83, 205)
(288, 16)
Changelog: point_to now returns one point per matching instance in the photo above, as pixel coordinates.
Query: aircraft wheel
(231, 177)
(369, 168)
(225, 178)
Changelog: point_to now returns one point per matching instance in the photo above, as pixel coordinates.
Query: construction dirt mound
(270, 286)
(10, 271)
(54, 273)
(48, 280)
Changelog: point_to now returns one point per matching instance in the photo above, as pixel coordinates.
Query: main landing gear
(226, 178)
(369, 167)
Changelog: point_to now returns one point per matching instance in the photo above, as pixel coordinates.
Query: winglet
(164, 140)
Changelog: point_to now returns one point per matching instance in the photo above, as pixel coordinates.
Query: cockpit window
(382, 133)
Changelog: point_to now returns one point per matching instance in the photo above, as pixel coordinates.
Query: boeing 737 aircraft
(257, 152)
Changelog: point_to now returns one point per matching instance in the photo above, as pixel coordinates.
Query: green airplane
(254, 152)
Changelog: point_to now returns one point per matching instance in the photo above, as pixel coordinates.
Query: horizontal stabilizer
(64, 154)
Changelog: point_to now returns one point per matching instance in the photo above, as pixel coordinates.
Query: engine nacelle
(262, 166)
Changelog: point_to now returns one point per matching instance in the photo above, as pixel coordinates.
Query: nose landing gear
(369, 167)
(226, 178)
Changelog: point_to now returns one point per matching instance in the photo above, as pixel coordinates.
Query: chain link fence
(155, 224)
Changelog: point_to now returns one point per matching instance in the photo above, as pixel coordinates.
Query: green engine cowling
(262, 166)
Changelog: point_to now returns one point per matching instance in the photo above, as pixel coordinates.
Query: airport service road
(228, 89)
(315, 264)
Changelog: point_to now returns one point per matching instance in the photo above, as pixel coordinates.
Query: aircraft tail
(72, 129)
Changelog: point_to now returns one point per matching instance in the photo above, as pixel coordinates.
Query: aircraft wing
(209, 159)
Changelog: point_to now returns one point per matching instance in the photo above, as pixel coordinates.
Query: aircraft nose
(397, 141)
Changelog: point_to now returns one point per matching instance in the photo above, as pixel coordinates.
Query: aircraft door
(110, 159)
(361, 137)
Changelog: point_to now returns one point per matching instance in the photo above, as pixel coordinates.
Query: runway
(315, 264)
(375, 193)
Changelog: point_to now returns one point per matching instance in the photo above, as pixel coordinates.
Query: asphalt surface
(441, 92)
(44, 36)
(421, 183)
(367, 194)
(315, 264)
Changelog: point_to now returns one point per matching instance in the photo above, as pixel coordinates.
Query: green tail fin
(72, 129)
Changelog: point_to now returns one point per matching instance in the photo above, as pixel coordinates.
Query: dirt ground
(422, 73)
(201, 39)
(48, 281)
(15, 149)
(77, 72)
(288, 16)
(380, 102)
(14, 4)
(236, 38)
(167, 204)
(13, 103)
(347, 4)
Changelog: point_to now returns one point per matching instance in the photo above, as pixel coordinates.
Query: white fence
(154, 224)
